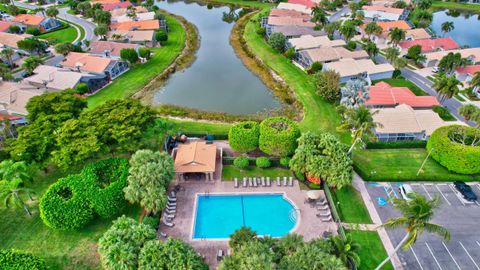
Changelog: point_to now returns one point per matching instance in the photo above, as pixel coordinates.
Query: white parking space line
(429, 249)
(445, 246)
(416, 258)
(443, 195)
(428, 193)
(456, 194)
(466, 251)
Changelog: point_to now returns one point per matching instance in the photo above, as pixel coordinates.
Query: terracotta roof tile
(432, 44)
(99, 47)
(137, 25)
(196, 156)
(87, 63)
(382, 94)
(28, 19)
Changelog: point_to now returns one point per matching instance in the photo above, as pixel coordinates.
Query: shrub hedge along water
(455, 156)
(243, 137)
(278, 136)
(20, 260)
(263, 162)
(71, 202)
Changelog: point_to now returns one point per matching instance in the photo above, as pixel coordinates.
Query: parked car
(465, 190)
(406, 189)
(435, 69)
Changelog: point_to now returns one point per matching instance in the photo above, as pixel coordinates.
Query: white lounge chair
(324, 207)
(324, 214)
(255, 182)
(268, 182)
(170, 204)
(263, 182)
(284, 181)
(169, 216)
(327, 219)
(250, 183)
(173, 194)
(170, 212)
(168, 224)
(236, 182)
(278, 182)
(219, 255)
(290, 181)
(244, 184)
(162, 234)
(173, 200)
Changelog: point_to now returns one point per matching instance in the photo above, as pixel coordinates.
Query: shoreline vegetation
(438, 5)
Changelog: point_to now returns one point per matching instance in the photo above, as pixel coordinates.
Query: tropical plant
(319, 16)
(328, 85)
(423, 4)
(373, 28)
(161, 36)
(243, 137)
(468, 111)
(277, 41)
(240, 237)
(331, 27)
(346, 250)
(252, 255)
(241, 162)
(101, 30)
(15, 259)
(129, 55)
(8, 53)
(447, 27)
(64, 48)
(52, 11)
(399, 4)
(446, 86)
(14, 171)
(415, 53)
(392, 54)
(32, 45)
(31, 63)
(372, 49)
(475, 81)
(5, 72)
(452, 61)
(354, 94)
(315, 67)
(348, 30)
(396, 35)
(278, 136)
(13, 194)
(415, 218)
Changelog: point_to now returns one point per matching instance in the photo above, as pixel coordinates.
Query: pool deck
(309, 225)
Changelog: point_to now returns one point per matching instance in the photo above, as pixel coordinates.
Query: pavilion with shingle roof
(195, 157)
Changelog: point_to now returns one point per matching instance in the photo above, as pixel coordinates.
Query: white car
(405, 189)
(435, 69)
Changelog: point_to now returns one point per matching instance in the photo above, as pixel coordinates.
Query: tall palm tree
(11, 171)
(446, 86)
(346, 250)
(7, 53)
(12, 193)
(319, 16)
(468, 111)
(330, 28)
(5, 72)
(348, 30)
(416, 216)
(396, 36)
(373, 28)
(475, 82)
(31, 63)
(392, 54)
(371, 49)
(447, 27)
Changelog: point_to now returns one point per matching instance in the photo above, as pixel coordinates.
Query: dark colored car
(465, 190)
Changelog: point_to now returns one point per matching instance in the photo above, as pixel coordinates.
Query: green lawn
(60, 249)
(350, 206)
(404, 83)
(247, 3)
(372, 252)
(68, 34)
(140, 75)
(402, 165)
(319, 115)
(230, 172)
(198, 127)
(455, 5)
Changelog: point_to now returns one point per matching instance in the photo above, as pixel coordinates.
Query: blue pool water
(218, 216)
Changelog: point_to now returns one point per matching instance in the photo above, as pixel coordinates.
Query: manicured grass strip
(247, 3)
(455, 5)
(404, 83)
(199, 127)
(372, 252)
(402, 165)
(230, 172)
(319, 114)
(350, 206)
(140, 75)
(68, 34)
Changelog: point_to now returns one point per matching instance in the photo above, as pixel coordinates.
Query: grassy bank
(68, 34)
(140, 75)
(198, 127)
(350, 206)
(371, 249)
(230, 172)
(454, 5)
(319, 115)
(402, 165)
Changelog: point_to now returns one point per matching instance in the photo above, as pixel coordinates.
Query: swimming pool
(218, 216)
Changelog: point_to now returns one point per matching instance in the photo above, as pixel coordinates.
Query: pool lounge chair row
(324, 214)
(262, 182)
(170, 211)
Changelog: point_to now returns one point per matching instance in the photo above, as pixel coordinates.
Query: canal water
(217, 81)
(467, 26)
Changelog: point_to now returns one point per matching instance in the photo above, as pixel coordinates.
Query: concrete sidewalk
(359, 185)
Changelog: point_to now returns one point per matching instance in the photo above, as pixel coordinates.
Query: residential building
(430, 45)
(383, 95)
(465, 74)
(310, 42)
(14, 97)
(83, 62)
(402, 123)
(296, 7)
(306, 3)
(57, 79)
(432, 59)
(382, 13)
(276, 12)
(282, 21)
(138, 17)
(386, 3)
(4, 26)
(294, 31)
(417, 33)
(136, 25)
(386, 27)
(116, 5)
(350, 69)
(110, 49)
(145, 38)
(123, 11)
(328, 54)
(42, 23)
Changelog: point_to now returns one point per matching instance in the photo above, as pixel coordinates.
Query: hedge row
(19, 260)
(71, 202)
(275, 162)
(396, 145)
(243, 137)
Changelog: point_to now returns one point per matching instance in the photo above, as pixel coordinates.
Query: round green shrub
(263, 162)
(20, 260)
(243, 137)
(278, 136)
(34, 31)
(241, 162)
(64, 206)
(449, 151)
(315, 67)
(285, 161)
(104, 182)
(152, 221)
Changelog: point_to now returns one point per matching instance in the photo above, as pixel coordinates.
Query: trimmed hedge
(278, 136)
(396, 145)
(20, 260)
(243, 137)
(241, 162)
(64, 206)
(456, 157)
(263, 162)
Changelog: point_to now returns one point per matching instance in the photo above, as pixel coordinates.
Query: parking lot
(462, 219)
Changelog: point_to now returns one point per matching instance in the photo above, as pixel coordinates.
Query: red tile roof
(469, 69)
(28, 19)
(4, 26)
(306, 3)
(382, 94)
(117, 5)
(432, 44)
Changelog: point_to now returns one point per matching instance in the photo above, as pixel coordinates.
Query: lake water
(467, 26)
(217, 81)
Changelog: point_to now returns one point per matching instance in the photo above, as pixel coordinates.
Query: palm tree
(14, 171)
(446, 86)
(7, 53)
(392, 54)
(319, 16)
(475, 81)
(330, 28)
(5, 72)
(31, 63)
(468, 111)
(447, 27)
(371, 49)
(348, 30)
(373, 28)
(396, 36)
(12, 193)
(416, 216)
(346, 250)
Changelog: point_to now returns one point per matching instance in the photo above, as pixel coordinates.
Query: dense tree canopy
(277, 41)
(20, 260)
(328, 85)
(243, 137)
(278, 136)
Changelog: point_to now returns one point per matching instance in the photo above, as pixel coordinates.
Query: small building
(282, 21)
(296, 7)
(466, 74)
(42, 23)
(433, 58)
(123, 11)
(306, 3)
(193, 158)
(110, 49)
(351, 69)
(4, 26)
(386, 27)
(402, 123)
(276, 12)
(383, 95)
(294, 31)
(115, 5)
(328, 54)
(14, 96)
(138, 17)
(310, 42)
(136, 25)
(430, 45)
(82, 62)
(417, 33)
(10, 40)
(145, 38)
(382, 13)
